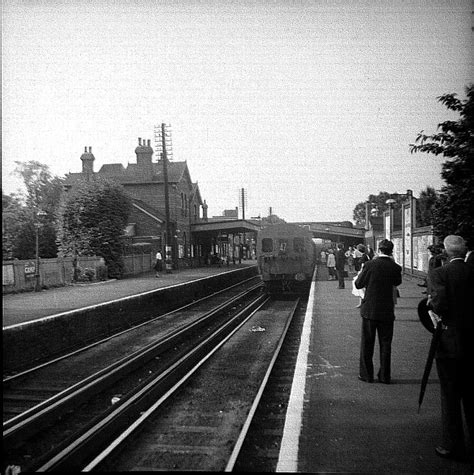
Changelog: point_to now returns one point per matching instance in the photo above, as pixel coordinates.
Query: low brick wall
(34, 342)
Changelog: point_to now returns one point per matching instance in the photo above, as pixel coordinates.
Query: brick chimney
(144, 154)
(87, 162)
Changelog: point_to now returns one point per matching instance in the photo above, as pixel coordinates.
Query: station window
(283, 245)
(267, 245)
(298, 244)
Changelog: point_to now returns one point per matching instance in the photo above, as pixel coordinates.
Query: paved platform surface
(346, 425)
(26, 306)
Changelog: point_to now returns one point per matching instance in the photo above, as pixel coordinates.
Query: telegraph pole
(169, 234)
(243, 203)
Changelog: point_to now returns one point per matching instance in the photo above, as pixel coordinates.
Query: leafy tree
(377, 205)
(272, 219)
(453, 212)
(12, 218)
(92, 220)
(425, 205)
(42, 192)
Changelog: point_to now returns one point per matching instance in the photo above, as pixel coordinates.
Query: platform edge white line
(288, 456)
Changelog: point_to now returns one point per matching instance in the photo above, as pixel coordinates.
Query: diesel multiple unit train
(286, 257)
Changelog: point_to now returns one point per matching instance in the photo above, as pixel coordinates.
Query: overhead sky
(309, 105)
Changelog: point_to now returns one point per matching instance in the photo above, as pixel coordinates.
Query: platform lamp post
(38, 224)
(390, 202)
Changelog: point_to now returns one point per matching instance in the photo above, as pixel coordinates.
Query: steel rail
(129, 415)
(34, 419)
(122, 332)
(243, 433)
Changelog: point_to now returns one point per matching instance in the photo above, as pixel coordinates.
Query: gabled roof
(176, 171)
(112, 169)
(153, 213)
(133, 173)
(196, 193)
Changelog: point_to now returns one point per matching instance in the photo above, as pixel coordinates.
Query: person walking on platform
(331, 265)
(378, 277)
(451, 297)
(340, 264)
(158, 264)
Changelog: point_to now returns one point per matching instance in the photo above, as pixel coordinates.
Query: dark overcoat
(379, 276)
(340, 259)
(451, 290)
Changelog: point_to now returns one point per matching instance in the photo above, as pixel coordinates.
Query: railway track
(245, 347)
(45, 405)
(202, 423)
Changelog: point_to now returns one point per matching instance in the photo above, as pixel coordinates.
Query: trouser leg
(367, 342)
(451, 417)
(385, 334)
(340, 276)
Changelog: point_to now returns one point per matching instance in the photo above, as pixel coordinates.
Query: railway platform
(27, 306)
(336, 423)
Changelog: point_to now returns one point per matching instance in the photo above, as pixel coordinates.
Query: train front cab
(286, 264)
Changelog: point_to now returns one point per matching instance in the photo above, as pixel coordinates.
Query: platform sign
(30, 269)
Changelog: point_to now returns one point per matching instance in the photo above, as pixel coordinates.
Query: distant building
(227, 214)
(144, 182)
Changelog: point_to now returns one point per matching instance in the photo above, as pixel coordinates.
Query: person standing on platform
(323, 257)
(357, 256)
(470, 252)
(370, 252)
(451, 297)
(378, 277)
(340, 264)
(158, 264)
(331, 265)
(350, 259)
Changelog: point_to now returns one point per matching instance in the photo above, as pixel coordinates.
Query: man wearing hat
(379, 276)
(451, 296)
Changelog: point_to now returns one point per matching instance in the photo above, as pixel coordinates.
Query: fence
(138, 263)
(19, 275)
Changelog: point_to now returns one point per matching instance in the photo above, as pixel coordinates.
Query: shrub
(101, 272)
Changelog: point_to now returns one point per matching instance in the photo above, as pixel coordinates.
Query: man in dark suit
(378, 277)
(340, 264)
(451, 296)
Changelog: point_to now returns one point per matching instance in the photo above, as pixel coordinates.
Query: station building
(194, 238)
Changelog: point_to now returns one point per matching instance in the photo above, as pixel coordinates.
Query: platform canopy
(234, 226)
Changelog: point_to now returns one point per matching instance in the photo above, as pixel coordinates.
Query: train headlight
(300, 276)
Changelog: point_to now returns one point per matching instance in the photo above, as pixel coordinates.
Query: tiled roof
(112, 169)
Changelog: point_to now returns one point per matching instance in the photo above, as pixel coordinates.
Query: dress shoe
(366, 380)
(383, 381)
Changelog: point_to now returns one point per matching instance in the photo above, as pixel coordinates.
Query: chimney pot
(85, 149)
(149, 142)
(139, 141)
(90, 149)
